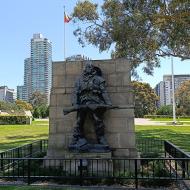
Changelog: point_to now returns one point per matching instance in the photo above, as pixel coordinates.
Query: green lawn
(16, 135)
(179, 135)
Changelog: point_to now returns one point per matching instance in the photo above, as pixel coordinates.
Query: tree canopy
(140, 30)
(11, 108)
(37, 99)
(39, 103)
(24, 105)
(183, 98)
(145, 99)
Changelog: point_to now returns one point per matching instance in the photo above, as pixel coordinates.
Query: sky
(20, 19)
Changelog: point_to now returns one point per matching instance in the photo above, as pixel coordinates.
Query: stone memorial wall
(120, 129)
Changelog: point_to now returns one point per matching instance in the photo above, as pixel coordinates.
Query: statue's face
(88, 69)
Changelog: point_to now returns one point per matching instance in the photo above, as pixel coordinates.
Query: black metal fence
(30, 150)
(175, 166)
(150, 145)
(137, 169)
(173, 151)
(27, 150)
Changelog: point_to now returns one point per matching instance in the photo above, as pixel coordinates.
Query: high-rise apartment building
(41, 65)
(27, 79)
(21, 92)
(37, 68)
(164, 88)
(7, 94)
(160, 93)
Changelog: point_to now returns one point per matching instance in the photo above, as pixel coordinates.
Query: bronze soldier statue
(90, 97)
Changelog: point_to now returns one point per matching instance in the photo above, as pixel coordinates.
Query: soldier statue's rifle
(94, 107)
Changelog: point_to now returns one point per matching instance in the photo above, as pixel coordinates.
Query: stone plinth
(94, 163)
(119, 131)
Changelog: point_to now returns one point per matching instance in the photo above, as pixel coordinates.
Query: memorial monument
(91, 127)
(90, 98)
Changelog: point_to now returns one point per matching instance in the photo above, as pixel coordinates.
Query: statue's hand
(76, 106)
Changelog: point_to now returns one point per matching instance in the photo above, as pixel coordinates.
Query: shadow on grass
(27, 136)
(20, 141)
(179, 139)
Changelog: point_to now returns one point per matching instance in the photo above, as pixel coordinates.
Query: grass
(12, 136)
(16, 135)
(178, 135)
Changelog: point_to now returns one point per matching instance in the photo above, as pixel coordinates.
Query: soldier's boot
(102, 140)
(74, 141)
(81, 142)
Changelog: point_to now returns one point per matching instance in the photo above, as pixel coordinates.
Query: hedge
(165, 116)
(157, 116)
(14, 119)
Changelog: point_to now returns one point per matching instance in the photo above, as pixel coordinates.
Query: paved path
(143, 121)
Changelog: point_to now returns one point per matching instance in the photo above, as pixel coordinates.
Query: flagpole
(64, 33)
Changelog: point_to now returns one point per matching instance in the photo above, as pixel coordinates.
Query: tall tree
(145, 99)
(37, 99)
(39, 103)
(141, 30)
(24, 105)
(183, 98)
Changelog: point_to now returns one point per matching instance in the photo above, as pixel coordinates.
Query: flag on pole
(66, 18)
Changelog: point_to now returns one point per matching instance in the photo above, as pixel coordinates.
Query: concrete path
(143, 121)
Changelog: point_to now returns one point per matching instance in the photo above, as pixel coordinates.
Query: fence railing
(150, 146)
(135, 169)
(28, 150)
(18, 163)
(174, 151)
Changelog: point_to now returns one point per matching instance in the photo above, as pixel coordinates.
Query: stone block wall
(119, 131)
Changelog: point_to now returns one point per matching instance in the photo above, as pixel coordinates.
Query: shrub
(165, 116)
(165, 110)
(160, 171)
(14, 119)
(11, 108)
(158, 116)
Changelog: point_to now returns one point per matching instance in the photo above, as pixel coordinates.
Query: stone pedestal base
(73, 163)
(90, 148)
(102, 164)
(87, 155)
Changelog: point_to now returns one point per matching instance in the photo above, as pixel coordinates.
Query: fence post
(41, 148)
(165, 149)
(1, 161)
(136, 175)
(28, 162)
(18, 153)
(81, 173)
(183, 168)
(30, 149)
